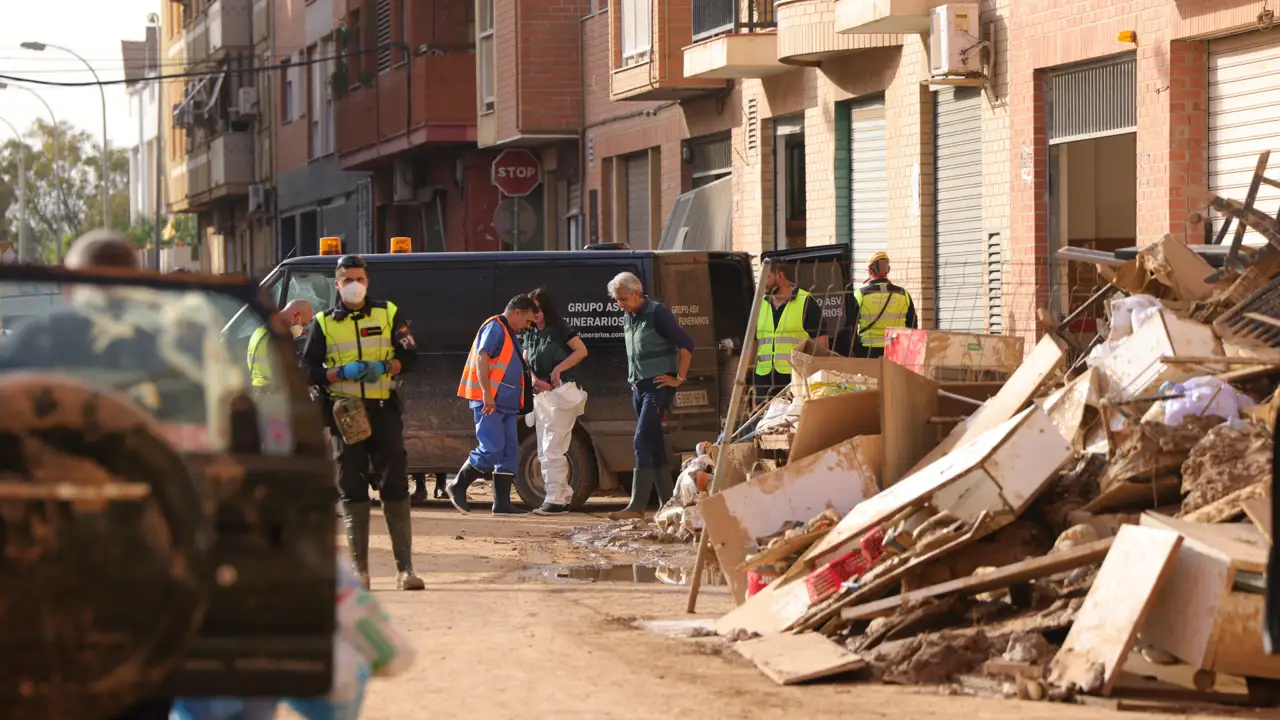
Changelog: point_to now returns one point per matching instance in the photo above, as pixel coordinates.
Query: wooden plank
(1229, 507)
(1041, 364)
(1006, 576)
(831, 420)
(1238, 543)
(1258, 510)
(783, 549)
(1103, 632)
(790, 659)
(910, 399)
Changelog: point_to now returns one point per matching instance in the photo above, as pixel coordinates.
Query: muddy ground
(518, 622)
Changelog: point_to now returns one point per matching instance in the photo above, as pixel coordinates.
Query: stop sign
(516, 172)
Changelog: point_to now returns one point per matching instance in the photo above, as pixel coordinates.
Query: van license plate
(691, 398)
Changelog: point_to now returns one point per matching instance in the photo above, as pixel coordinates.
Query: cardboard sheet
(790, 659)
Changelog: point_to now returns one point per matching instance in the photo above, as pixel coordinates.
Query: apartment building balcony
(647, 44)
(884, 16)
(230, 27)
(733, 39)
(195, 42)
(430, 100)
(223, 168)
(807, 33)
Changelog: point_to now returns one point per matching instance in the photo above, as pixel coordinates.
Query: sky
(92, 28)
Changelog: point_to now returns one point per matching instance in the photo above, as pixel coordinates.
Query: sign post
(516, 173)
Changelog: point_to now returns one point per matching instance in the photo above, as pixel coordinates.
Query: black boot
(502, 483)
(440, 494)
(457, 487)
(400, 528)
(355, 518)
(419, 495)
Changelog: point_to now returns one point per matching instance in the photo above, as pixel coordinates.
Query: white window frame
(485, 57)
(635, 28)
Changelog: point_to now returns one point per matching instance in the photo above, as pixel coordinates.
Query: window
(484, 41)
(314, 93)
(286, 103)
(355, 61)
(316, 287)
(636, 30)
(383, 38)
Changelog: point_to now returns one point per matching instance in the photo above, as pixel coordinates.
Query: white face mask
(354, 292)
(296, 330)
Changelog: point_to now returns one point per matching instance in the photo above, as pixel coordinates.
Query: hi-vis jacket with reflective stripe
(259, 364)
(881, 305)
(774, 344)
(364, 335)
(469, 387)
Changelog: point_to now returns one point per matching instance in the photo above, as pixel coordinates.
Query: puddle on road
(623, 573)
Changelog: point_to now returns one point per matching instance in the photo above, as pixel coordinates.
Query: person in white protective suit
(552, 350)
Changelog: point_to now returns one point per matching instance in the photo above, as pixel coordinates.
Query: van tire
(584, 473)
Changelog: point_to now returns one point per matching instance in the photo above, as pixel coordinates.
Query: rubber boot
(440, 493)
(420, 488)
(400, 529)
(663, 483)
(355, 518)
(502, 483)
(457, 486)
(641, 488)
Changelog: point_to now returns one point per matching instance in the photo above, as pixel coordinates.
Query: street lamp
(61, 197)
(106, 208)
(23, 251)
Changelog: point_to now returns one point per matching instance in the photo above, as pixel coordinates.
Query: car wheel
(584, 474)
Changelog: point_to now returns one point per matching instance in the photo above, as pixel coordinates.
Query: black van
(446, 296)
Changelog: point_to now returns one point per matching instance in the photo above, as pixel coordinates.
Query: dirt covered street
(517, 622)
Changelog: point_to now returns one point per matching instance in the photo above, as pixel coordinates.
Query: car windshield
(163, 348)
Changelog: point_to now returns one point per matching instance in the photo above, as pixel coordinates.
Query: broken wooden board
(1136, 367)
(840, 476)
(1117, 604)
(791, 659)
(1229, 507)
(829, 421)
(1137, 495)
(999, 472)
(1224, 688)
(1043, 363)
(1199, 615)
(1006, 576)
(783, 550)
(910, 399)
(1258, 511)
(1069, 406)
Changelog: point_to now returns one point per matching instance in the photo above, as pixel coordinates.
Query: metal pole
(160, 179)
(515, 223)
(24, 240)
(730, 428)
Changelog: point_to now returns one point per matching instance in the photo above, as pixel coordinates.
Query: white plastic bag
(1206, 395)
(366, 627)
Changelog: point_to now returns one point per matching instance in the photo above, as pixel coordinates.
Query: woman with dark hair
(552, 349)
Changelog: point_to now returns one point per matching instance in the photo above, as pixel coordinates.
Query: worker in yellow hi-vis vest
(299, 313)
(877, 306)
(788, 318)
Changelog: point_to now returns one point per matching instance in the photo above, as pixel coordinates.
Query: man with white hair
(658, 355)
(299, 313)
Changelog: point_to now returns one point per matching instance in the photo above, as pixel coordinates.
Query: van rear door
(826, 273)
(683, 283)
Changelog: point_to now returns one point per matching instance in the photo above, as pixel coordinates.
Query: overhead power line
(201, 74)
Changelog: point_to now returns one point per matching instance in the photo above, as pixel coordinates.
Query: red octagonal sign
(516, 172)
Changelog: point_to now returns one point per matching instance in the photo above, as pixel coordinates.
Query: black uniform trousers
(384, 449)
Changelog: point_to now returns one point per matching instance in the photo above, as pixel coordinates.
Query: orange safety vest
(469, 387)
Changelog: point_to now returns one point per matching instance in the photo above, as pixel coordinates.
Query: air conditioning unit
(403, 190)
(257, 198)
(955, 41)
(247, 102)
(183, 116)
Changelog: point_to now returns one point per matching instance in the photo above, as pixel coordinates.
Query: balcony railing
(717, 17)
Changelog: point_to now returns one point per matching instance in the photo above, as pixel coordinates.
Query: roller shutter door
(638, 200)
(1244, 118)
(959, 247)
(868, 181)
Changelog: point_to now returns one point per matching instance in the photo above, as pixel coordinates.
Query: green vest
(648, 353)
(774, 344)
(876, 300)
(259, 358)
(546, 351)
(348, 340)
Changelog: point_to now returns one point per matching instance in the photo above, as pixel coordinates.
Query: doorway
(789, 182)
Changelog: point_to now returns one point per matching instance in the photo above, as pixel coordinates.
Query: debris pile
(1093, 520)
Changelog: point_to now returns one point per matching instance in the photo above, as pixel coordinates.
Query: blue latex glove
(353, 370)
(374, 371)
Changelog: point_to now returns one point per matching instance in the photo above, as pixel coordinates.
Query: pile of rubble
(1091, 520)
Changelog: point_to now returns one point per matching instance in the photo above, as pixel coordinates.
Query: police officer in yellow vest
(788, 318)
(877, 306)
(299, 314)
(355, 349)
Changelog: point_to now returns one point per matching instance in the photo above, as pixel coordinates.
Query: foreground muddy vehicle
(164, 530)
